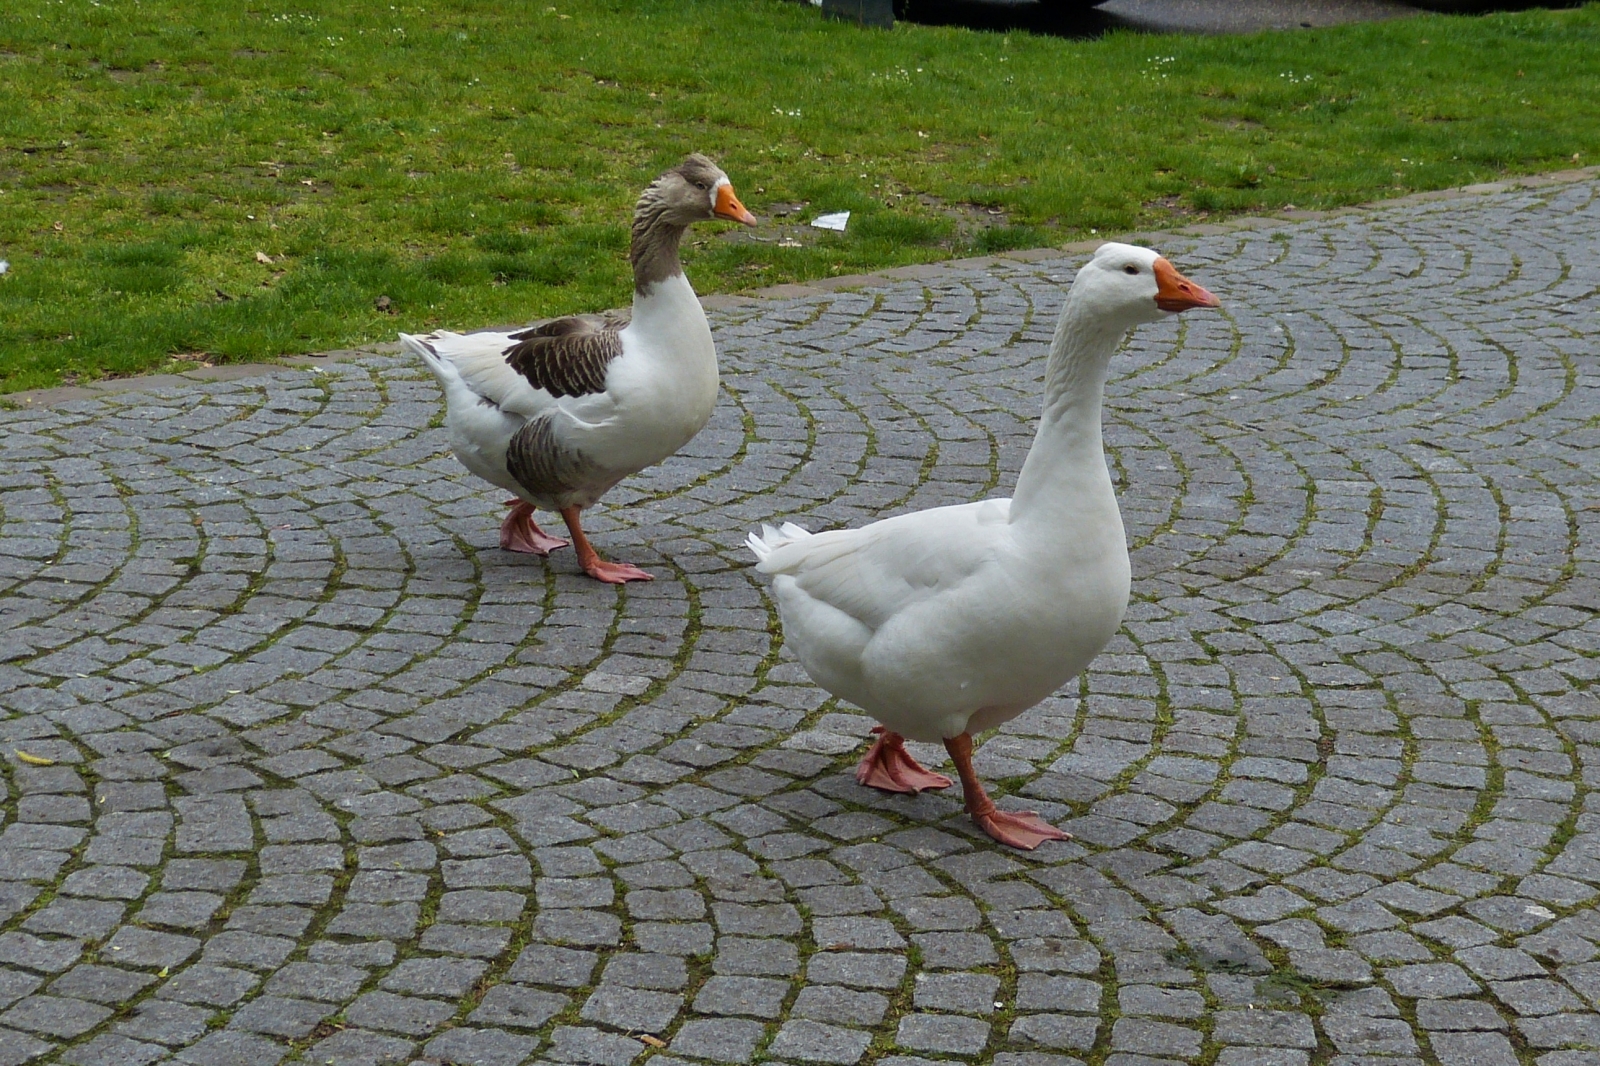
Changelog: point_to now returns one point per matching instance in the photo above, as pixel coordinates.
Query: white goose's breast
(1008, 641)
(1061, 631)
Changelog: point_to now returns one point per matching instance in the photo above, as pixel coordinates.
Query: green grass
(475, 161)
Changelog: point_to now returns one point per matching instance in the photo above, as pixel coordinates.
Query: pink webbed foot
(589, 559)
(887, 765)
(1018, 829)
(520, 533)
(615, 573)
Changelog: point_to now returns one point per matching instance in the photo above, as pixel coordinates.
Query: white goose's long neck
(1064, 478)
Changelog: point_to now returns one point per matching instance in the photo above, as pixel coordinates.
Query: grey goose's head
(695, 190)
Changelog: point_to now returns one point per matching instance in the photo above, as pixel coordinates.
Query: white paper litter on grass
(836, 221)
(4, 266)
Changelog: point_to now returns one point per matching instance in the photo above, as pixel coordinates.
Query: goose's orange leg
(1021, 829)
(889, 766)
(589, 559)
(520, 533)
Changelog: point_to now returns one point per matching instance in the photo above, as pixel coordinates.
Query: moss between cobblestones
(1222, 461)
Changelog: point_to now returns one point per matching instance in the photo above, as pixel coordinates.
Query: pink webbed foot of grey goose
(887, 765)
(593, 565)
(615, 573)
(520, 533)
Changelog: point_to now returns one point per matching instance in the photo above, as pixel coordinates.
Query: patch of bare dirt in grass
(969, 217)
(1173, 207)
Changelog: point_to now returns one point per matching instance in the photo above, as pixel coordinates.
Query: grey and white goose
(559, 413)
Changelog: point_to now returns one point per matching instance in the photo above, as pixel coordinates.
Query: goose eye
(1130, 269)
(702, 186)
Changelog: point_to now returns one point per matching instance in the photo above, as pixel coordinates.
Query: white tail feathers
(770, 539)
(420, 346)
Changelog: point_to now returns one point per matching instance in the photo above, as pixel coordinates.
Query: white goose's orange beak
(729, 207)
(1174, 292)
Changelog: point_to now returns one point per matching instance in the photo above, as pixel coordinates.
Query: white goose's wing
(878, 571)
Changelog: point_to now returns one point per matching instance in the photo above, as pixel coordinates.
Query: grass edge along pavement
(185, 187)
(137, 382)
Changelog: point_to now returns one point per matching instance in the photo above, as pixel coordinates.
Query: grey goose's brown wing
(568, 356)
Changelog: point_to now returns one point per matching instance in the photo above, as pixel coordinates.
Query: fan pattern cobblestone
(337, 781)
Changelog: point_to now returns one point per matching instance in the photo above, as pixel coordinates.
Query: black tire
(1064, 7)
(1478, 7)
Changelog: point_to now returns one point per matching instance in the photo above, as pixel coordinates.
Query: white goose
(947, 622)
(560, 413)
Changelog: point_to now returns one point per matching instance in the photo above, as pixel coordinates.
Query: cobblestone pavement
(338, 781)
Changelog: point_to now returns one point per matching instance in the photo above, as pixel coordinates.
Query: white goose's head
(1130, 285)
(694, 191)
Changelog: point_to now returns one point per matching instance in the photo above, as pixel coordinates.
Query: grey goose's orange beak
(1174, 292)
(729, 207)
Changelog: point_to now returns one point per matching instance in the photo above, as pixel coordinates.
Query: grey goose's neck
(653, 249)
